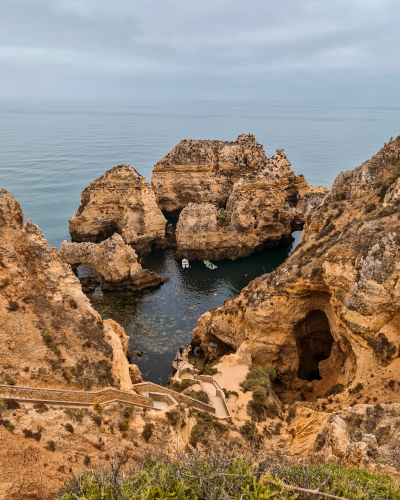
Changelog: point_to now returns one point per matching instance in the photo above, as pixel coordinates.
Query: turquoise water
(50, 151)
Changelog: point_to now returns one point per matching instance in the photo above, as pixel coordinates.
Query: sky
(301, 50)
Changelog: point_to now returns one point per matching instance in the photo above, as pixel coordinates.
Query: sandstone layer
(328, 316)
(50, 336)
(116, 262)
(204, 171)
(120, 201)
(264, 207)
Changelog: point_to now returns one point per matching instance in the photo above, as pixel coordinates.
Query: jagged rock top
(246, 152)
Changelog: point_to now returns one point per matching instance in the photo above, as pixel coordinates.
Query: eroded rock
(116, 262)
(50, 335)
(120, 201)
(330, 314)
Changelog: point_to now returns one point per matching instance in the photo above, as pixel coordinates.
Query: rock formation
(120, 201)
(115, 261)
(262, 210)
(50, 336)
(327, 317)
(204, 171)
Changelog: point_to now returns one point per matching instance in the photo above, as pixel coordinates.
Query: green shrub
(124, 425)
(40, 407)
(181, 386)
(147, 431)
(370, 207)
(50, 343)
(387, 211)
(127, 412)
(258, 380)
(200, 396)
(97, 407)
(10, 379)
(335, 389)
(3, 405)
(208, 370)
(382, 347)
(224, 476)
(173, 416)
(340, 196)
(250, 431)
(206, 424)
(76, 415)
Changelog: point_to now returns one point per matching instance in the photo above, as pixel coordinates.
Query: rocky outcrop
(115, 261)
(204, 171)
(50, 336)
(262, 210)
(120, 201)
(330, 314)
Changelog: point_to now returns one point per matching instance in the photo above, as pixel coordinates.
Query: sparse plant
(147, 431)
(97, 407)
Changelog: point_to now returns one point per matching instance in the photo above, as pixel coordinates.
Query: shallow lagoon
(161, 320)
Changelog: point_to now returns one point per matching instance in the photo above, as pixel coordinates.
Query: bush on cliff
(222, 476)
(258, 380)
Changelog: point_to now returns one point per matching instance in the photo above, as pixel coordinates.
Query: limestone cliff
(330, 314)
(50, 336)
(263, 209)
(204, 171)
(120, 201)
(115, 261)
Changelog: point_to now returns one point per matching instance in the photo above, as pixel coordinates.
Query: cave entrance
(314, 344)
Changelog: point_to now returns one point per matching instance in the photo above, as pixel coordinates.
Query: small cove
(160, 320)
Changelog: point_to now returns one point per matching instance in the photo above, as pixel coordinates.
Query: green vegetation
(50, 343)
(250, 431)
(181, 386)
(173, 416)
(208, 369)
(370, 207)
(97, 407)
(221, 476)
(383, 347)
(127, 412)
(3, 406)
(10, 379)
(205, 426)
(335, 389)
(200, 396)
(223, 218)
(340, 196)
(258, 380)
(147, 431)
(76, 415)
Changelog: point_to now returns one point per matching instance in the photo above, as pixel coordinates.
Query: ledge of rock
(262, 210)
(115, 261)
(50, 335)
(120, 201)
(329, 316)
(204, 171)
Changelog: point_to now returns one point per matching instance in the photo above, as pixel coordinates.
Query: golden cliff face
(330, 314)
(120, 201)
(116, 262)
(262, 210)
(50, 335)
(204, 171)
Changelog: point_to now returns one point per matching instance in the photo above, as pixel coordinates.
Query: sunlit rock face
(116, 262)
(330, 314)
(120, 201)
(50, 335)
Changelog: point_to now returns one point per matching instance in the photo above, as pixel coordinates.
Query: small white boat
(185, 264)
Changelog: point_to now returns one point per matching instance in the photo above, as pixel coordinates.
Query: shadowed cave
(314, 344)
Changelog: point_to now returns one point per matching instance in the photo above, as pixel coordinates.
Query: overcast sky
(347, 50)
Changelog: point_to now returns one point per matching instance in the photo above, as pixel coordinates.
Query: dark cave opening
(314, 344)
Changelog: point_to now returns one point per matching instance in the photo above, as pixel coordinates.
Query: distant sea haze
(50, 151)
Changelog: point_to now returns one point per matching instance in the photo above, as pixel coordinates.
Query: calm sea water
(50, 151)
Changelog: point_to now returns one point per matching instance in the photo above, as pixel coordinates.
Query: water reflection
(158, 321)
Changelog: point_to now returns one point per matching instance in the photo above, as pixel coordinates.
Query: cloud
(190, 45)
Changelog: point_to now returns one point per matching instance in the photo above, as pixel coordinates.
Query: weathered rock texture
(115, 261)
(50, 336)
(120, 201)
(204, 171)
(263, 209)
(331, 311)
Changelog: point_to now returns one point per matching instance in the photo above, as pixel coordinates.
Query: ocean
(50, 151)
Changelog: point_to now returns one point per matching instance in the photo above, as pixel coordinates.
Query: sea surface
(51, 151)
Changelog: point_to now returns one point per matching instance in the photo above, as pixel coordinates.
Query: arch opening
(314, 344)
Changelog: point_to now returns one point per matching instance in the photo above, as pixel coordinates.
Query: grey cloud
(198, 47)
